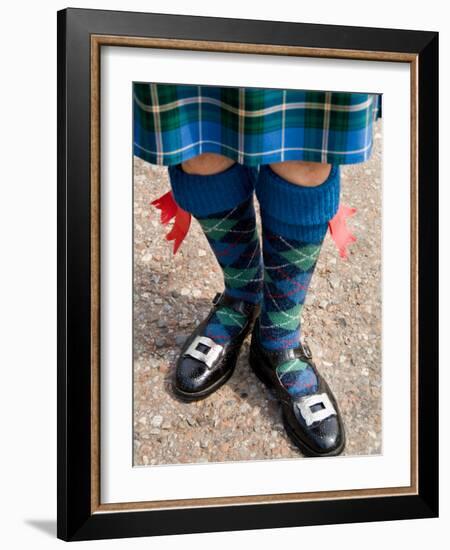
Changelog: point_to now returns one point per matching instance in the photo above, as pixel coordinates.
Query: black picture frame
(75, 478)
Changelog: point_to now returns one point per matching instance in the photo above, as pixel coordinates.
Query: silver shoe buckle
(306, 404)
(210, 355)
(306, 350)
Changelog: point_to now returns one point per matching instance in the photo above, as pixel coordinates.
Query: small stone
(147, 257)
(175, 294)
(180, 339)
(157, 421)
(185, 292)
(256, 411)
(201, 252)
(155, 431)
(191, 421)
(334, 282)
(196, 293)
(162, 323)
(323, 304)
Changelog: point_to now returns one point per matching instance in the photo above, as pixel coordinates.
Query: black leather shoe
(313, 421)
(203, 365)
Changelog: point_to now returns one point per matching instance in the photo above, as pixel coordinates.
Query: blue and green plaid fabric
(253, 126)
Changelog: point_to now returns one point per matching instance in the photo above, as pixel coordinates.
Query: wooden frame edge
(414, 272)
(235, 47)
(95, 273)
(211, 46)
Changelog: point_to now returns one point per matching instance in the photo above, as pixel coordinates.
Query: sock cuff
(205, 195)
(296, 205)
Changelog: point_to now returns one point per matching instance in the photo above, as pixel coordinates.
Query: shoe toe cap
(328, 436)
(190, 375)
(325, 438)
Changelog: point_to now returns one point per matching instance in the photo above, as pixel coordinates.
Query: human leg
(294, 221)
(219, 195)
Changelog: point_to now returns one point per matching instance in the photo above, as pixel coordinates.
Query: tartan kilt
(173, 123)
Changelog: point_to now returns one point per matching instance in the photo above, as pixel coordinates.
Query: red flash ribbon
(170, 209)
(339, 231)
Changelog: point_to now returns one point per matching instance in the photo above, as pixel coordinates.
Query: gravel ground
(241, 421)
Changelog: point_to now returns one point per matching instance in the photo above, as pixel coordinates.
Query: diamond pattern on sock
(233, 237)
(294, 223)
(288, 268)
(297, 377)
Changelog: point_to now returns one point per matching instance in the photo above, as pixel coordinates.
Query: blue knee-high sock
(294, 221)
(223, 205)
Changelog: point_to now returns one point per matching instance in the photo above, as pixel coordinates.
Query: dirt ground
(341, 323)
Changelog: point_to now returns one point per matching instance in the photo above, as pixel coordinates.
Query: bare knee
(207, 164)
(299, 172)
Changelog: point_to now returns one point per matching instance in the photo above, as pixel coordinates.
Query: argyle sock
(294, 221)
(223, 205)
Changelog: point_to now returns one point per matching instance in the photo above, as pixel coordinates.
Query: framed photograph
(247, 274)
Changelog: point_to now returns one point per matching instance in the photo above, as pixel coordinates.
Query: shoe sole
(305, 449)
